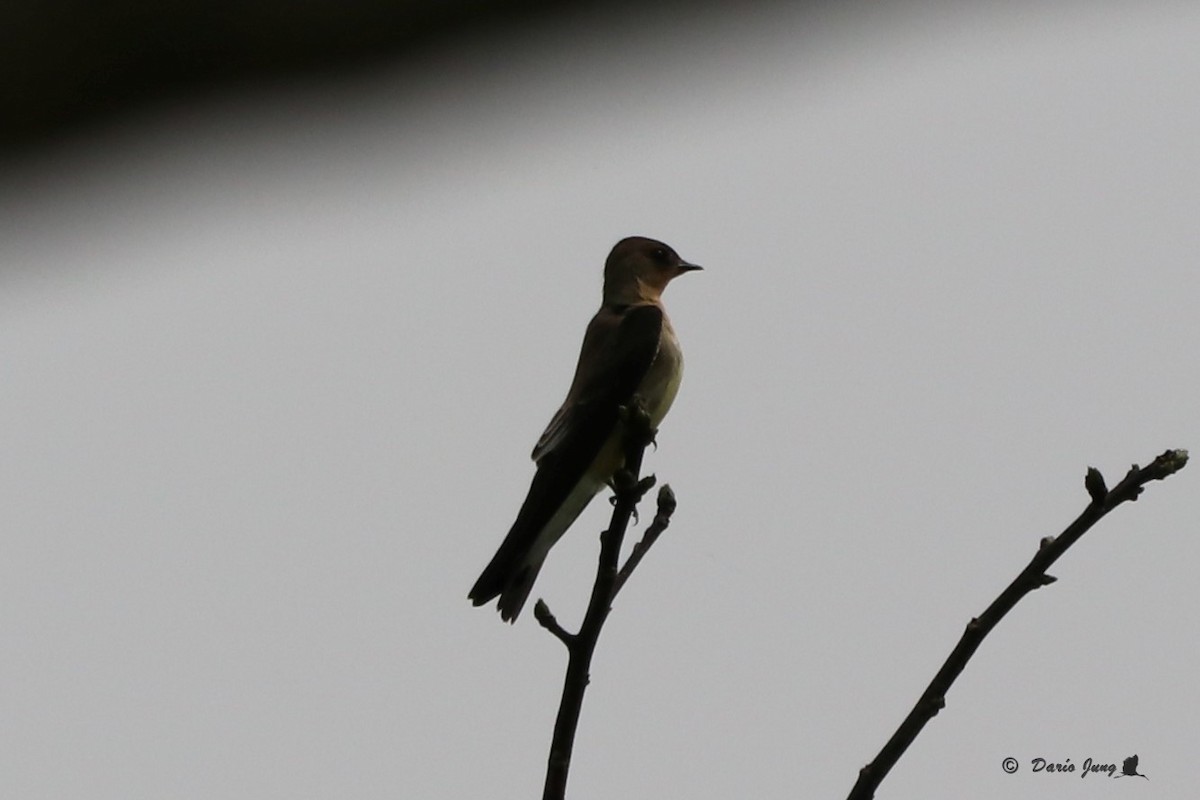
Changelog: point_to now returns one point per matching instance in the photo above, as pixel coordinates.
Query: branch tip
(1094, 483)
(666, 500)
(541, 612)
(1168, 463)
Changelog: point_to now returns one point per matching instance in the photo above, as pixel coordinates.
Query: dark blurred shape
(70, 62)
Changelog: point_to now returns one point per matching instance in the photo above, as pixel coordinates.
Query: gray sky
(274, 365)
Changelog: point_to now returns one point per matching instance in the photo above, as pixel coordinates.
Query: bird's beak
(686, 267)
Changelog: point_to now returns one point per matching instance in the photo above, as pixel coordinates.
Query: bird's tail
(511, 586)
(556, 498)
(513, 598)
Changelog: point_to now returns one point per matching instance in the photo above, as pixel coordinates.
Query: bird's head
(639, 269)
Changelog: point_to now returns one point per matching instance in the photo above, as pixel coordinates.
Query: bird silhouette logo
(1129, 768)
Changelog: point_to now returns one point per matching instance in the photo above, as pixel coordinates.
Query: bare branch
(933, 699)
(666, 507)
(629, 490)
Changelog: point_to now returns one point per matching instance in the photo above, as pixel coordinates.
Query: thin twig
(666, 507)
(541, 612)
(933, 699)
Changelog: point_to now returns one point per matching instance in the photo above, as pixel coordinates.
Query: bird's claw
(645, 485)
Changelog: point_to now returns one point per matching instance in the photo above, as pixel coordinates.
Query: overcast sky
(274, 364)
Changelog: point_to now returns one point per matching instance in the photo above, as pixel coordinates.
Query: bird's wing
(618, 349)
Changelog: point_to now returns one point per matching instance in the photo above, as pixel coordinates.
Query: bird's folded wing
(618, 349)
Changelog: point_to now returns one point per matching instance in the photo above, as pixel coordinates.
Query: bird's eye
(659, 255)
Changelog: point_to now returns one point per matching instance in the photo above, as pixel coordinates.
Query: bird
(630, 352)
(1129, 768)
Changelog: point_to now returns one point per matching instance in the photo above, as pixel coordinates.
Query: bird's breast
(661, 384)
